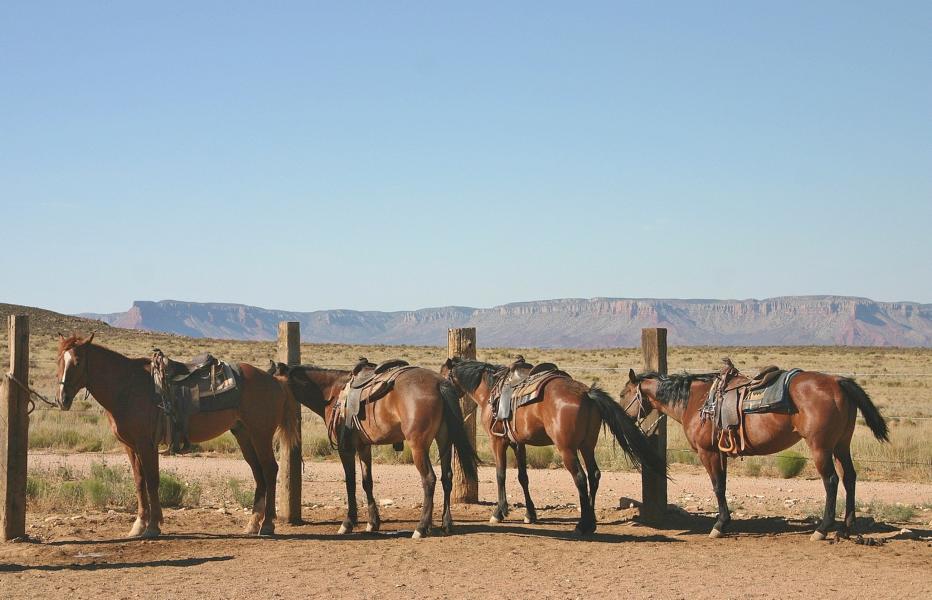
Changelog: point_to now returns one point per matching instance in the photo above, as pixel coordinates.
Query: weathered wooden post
(14, 432)
(289, 487)
(654, 484)
(461, 343)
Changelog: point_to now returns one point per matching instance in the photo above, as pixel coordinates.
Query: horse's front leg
(347, 457)
(365, 468)
(499, 451)
(149, 464)
(142, 500)
(717, 467)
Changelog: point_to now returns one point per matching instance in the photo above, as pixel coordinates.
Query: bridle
(644, 413)
(87, 393)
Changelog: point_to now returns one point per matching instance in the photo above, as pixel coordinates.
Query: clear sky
(393, 155)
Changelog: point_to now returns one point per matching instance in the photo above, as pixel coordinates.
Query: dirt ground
(203, 555)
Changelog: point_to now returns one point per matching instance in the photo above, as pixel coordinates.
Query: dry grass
(898, 379)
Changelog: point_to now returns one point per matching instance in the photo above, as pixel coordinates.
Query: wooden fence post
(14, 432)
(289, 468)
(654, 484)
(461, 343)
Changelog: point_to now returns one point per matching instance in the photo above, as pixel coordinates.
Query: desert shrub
(243, 497)
(790, 463)
(318, 445)
(223, 444)
(539, 457)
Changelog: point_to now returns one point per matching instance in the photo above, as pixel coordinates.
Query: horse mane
(674, 389)
(471, 372)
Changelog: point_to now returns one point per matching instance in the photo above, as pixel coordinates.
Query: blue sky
(401, 155)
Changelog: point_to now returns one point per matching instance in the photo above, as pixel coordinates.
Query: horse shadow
(168, 562)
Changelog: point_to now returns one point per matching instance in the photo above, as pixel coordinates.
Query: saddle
(515, 389)
(368, 383)
(734, 395)
(203, 384)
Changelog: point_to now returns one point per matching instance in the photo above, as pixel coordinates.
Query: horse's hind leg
(530, 512)
(826, 468)
(429, 481)
(586, 524)
(265, 454)
(149, 464)
(365, 470)
(445, 447)
(499, 451)
(848, 478)
(716, 466)
(258, 498)
(593, 473)
(347, 456)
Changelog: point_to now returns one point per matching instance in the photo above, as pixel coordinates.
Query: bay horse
(568, 416)
(826, 408)
(124, 388)
(421, 407)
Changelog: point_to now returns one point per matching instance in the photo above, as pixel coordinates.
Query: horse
(825, 410)
(124, 388)
(568, 415)
(420, 408)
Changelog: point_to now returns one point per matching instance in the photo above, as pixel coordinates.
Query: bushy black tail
(453, 417)
(629, 436)
(871, 413)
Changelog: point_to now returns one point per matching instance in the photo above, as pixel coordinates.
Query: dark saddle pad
(179, 372)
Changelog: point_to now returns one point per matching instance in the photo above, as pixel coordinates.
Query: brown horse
(420, 408)
(568, 416)
(826, 407)
(124, 388)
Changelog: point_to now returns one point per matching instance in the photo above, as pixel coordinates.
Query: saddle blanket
(774, 398)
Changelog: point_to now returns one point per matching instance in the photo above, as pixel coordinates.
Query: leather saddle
(523, 384)
(368, 383)
(202, 384)
(733, 395)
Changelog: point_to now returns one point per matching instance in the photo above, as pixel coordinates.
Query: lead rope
(32, 394)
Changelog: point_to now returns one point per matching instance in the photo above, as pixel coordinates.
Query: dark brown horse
(826, 408)
(420, 408)
(124, 388)
(568, 416)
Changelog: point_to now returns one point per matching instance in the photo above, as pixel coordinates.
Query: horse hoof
(343, 530)
(817, 536)
(528, 521)
(151, 533)
(270, 532)
(495, 520)
(416, 535)
(370, 528)
(715, 534)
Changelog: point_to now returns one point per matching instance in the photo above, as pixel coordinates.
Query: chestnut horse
(568, 416)
(826, 408)
(124, 388)
(420, 408)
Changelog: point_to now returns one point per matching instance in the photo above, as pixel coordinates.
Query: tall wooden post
(654, 484)
(461, 343)
(289, 469)
(14, 432)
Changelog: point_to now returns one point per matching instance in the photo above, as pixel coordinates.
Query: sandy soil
(203, 555)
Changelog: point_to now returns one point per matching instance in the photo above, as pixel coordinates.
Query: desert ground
(80, 502)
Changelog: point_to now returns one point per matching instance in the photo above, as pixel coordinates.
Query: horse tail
(453, 417)
(855, 393)
(628, 435)
(288, 432)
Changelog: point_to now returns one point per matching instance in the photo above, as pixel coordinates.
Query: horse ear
(60, 336)
(283, 369)
(632, 377)
(449, 363)
(90, 339)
